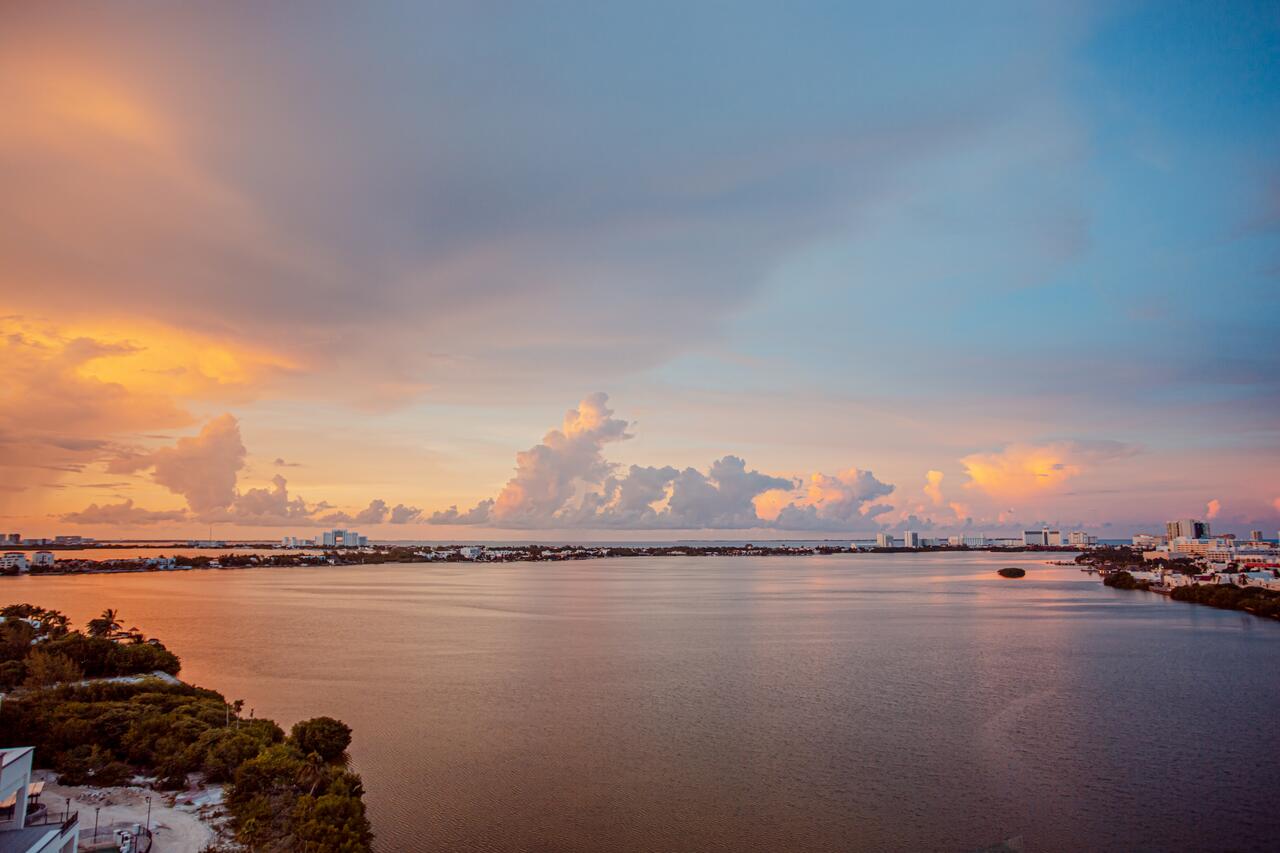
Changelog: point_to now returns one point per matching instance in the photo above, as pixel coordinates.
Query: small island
(103, 708)
(1012, 572)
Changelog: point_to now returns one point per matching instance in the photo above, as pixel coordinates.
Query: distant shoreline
(484, 555)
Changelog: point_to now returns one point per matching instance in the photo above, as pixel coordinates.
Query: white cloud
(548, 474)
(566, 482)
(202, 469)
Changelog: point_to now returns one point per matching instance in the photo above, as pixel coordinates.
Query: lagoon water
(849, 702)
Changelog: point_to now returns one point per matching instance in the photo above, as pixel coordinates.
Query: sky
(638, 271)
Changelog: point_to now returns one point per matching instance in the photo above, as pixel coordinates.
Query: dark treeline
(285, 792)
(1250, 599)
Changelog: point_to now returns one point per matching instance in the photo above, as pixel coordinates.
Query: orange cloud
(1022, 470)
(123, 513)
(55, 417)
(1212, 508)
(933, 486)
(769, 504)
(833, 500)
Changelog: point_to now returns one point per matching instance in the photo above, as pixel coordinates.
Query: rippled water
(850, 702)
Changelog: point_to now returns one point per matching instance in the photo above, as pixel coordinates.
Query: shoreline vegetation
(378, 555)
(103, 709)
(1116, 566)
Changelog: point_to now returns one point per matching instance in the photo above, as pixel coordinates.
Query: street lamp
(148, 817)
(96, 809)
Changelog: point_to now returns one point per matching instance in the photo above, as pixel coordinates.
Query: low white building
(1264, 579)
(14, 560)
(1214, 550)
(27, 831)
(1080, 539)
(43, 558)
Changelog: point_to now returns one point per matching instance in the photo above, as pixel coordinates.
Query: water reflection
(833, 703)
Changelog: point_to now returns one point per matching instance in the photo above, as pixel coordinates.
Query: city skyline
(582, 273)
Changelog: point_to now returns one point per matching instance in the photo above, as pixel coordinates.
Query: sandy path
(177, 829)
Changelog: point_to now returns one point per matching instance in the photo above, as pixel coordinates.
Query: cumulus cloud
(724, 497)
(834, 501)
(478, 514)
(933, 486)
(1021, 470)
(1212, 508)
(375, 513)
(566, 481)
(264, 507)
(401, 514)
(123, 513)
(202, 469)
(548, 474)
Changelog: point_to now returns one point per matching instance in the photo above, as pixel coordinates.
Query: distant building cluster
(16, 539)
(336, 538)
(1191, 540)
(1043, 537)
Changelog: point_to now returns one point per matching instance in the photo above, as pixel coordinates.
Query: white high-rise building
(884, 540)
(910, 539)
(1080, 539)
(1044, 537)
(1187, 528)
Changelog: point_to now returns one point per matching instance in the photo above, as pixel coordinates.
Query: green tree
(333, 822)
(16, 636)
(323, 735)
(47, 668)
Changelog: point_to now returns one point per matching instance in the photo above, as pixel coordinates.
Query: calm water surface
(850, 702)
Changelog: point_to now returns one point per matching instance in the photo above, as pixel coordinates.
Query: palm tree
(314, 770)
(54, 623)
(105, 625)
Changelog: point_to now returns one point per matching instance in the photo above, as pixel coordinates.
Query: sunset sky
(551, 270)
